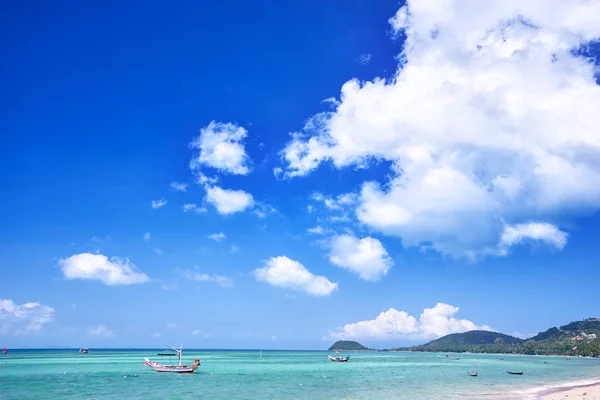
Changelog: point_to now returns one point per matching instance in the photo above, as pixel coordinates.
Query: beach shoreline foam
(588, 389)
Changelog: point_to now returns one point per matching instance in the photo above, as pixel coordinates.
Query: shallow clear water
(51, 374)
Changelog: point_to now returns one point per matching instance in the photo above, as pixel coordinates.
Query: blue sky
(269, 175)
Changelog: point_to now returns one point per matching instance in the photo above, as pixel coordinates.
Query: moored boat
(473, 373)
(514, 373)
(180, 369)
(83, 351)
(338, 358)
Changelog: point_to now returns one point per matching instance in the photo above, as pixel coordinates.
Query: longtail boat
(338, 358)
(180, 369)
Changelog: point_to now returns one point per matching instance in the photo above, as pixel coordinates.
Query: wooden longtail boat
(180, 369)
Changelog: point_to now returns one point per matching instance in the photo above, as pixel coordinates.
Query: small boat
(514, 373)
(455, 358)
(501, 359)
(83, 351)
(181, 369)
(568, 358)
(438, 356)
(473, 373)
(338, 358)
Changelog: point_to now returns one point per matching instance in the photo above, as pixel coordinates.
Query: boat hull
(178, 369)
(338, 359)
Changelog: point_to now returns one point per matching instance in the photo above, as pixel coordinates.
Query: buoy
(300, 384)
(124, 376)
(135, 375)
(324, 377)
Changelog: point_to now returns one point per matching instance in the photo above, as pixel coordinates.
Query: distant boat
(438, 356)
(83, 351)
(455, 358)
(473, 373)
(514, 373)
(568, 358)
(181, 369)
(338, 358)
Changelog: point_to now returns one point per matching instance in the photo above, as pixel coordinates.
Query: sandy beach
(588, 392)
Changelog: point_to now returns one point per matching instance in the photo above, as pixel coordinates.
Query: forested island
(579, 338)
(346, 345)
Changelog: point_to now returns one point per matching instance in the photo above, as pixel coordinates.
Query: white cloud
(217, 237)
(364, 59)
(277, 171)
(261, 210)
(101, 331)
(181, 187)
(222, 281)
(113, 271)
(273, 337)
(159, 203)
(194, 208)
(195, 332)
(490, 119)
(202, 179)
(220, 146)
(317, 230)
(228, 201)
(290, 296)
(366, 257)
(23, 319)
(290, 274)
(156, 335)
(147, 236)
(393, 324)
(234, 249)
(519, 233)
(172, 326)
(158, 251)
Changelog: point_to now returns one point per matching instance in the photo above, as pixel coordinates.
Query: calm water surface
(52, 374)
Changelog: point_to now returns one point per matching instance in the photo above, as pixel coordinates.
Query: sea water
(229, 374)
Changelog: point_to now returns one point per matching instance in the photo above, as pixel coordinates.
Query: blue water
(109, 374)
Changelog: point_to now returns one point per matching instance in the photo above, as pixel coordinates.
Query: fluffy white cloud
(181, 187)
(393, 324)
(316, 230)
(489, 120)
(194, 208)
(228, 201)
(290, 274)
(101, 331)
(222, 281)
(25, 318)
(533, 231)
(113, 271)
(261, 210)
(220, 146)
(217, 237)
(366, 257)
(147, 236)
(159, 203)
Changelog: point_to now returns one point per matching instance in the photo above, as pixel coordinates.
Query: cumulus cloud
(217, 237)
(222, 281)
(221, 147)
(180, 187)
(533, 231)
(489, 120)
(194, 208)
(25, 318)
(393, 324)
(366, 257)
(101, 331)
(287, 273)
(158, 203)
(113, 271)
(147, 236)
(228, 201)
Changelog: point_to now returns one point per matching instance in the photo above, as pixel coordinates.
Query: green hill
(575, 338)
(468, 341)
(346, 345)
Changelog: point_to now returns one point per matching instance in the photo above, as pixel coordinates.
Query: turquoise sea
(230, 374)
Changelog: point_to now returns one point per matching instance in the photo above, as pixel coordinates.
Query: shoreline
(586, 389)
